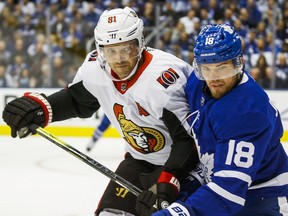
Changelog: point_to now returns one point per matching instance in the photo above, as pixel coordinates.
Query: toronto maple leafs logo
(207, 165)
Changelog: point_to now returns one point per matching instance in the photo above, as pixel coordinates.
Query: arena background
(42, 43)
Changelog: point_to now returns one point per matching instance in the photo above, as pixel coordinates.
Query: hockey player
(141, 90)
(98, 132)
(238, 131)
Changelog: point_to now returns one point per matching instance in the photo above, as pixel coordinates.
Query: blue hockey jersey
(238, 140)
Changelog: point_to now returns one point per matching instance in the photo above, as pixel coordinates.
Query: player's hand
(175, 209)
(145, 204)
(165, 191)
(31, 108)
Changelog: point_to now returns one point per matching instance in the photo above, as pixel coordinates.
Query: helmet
(218, 43)
(117, 26)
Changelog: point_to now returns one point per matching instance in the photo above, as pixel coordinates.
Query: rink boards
(85, 127)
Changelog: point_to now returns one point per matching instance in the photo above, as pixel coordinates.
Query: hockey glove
(175, 209)
(146, 203)
(165, 192)
(31, 108)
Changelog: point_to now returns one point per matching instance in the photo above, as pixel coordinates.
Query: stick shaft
(88, 160)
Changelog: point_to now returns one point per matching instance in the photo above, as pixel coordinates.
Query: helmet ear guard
(218, 43)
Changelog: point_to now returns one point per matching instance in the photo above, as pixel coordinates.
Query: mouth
(121, 66)
(216, 85)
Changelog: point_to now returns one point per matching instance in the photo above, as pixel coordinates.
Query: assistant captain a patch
(168, 77)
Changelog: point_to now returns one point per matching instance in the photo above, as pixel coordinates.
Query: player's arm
(75, 101)
(236, 163)
(183, 158)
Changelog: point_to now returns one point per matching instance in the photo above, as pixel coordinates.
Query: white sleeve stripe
(234, 174)
(283, 204)
(279, 180)
(226, 194)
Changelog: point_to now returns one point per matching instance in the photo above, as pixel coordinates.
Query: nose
(214, 75)
(118, 57)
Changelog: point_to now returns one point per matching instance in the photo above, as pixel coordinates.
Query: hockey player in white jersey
(237, 132)
(141, 90)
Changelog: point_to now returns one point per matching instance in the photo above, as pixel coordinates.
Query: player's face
(218, 85)
(122, 57)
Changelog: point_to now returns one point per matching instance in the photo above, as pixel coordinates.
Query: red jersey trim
(128, 83)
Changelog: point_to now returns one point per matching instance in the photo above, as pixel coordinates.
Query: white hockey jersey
(135, 107)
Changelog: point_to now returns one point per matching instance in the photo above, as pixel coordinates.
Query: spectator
(166, 41)
(261, 29)
(26, 19)
(189, 20)
(282, 70)
(5, 54)
(251, 44)
(262, 49)
(254, 14)
(91, 17)
(281, 32)
(3, 79)
(60, 26)
(176, 32)
(19, 49)
(244, 16)
(204, 17)
(59, 72)
(148, 15)
(73, 41)
(240, 28)
(215, 10)
(169, 11)
(24, 78)
(17, 66)
(262, 72)
(27, 7)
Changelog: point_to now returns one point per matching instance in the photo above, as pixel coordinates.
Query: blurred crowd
(42, 43)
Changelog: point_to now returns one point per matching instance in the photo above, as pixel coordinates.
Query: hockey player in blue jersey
(237, 131)
(98, 132)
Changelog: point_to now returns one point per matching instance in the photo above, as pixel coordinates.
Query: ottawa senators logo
(93, 56)
(142, 139)
(168, 77)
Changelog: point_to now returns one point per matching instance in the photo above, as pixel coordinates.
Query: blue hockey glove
(175, 209)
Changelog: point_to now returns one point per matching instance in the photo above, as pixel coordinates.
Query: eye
(205, 69)
(221, 68)
(110, 51)
(127, 50)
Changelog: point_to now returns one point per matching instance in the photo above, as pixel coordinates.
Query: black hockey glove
(31, 108)
(160, 195)
(146, 203)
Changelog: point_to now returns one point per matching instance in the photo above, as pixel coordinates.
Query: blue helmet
(217, 43)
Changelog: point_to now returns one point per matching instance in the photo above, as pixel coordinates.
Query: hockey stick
(86, 159)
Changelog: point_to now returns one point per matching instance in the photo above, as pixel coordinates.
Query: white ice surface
(37, 178)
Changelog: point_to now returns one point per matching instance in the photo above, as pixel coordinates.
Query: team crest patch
(93, 56)
(168, 77)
